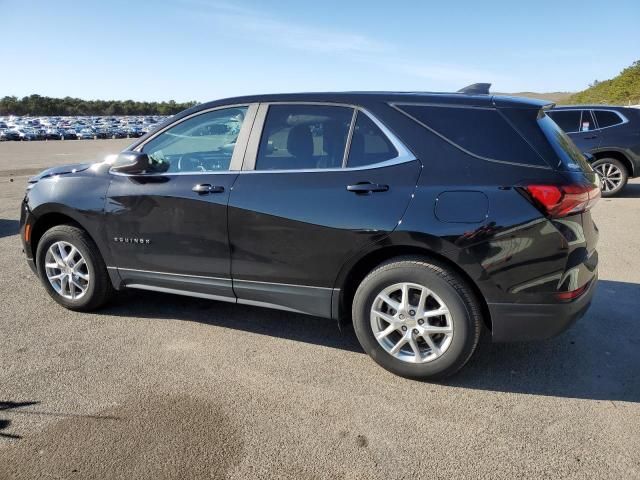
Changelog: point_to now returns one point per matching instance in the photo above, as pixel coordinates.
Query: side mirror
(131, 163)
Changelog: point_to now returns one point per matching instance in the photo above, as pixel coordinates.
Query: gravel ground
(160, 386)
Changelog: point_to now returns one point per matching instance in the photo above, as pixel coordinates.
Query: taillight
(573, 294)
(562, 200)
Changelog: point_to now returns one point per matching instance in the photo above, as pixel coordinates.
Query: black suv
(610, 134)
(420, 217)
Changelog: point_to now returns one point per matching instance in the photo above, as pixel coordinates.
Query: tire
(613, 175)
(98, 288)
(462, 322)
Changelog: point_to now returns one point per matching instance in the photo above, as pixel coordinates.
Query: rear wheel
(613, 175)
(71, 269)
(416, 318)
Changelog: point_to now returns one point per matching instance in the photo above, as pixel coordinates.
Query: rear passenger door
(319, 183)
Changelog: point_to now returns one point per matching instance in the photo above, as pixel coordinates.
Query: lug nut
(401, 316)
(415, 331)
(412, 312)
(404, 329)
(420, 322)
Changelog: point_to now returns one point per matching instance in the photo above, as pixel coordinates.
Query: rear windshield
(571, 158)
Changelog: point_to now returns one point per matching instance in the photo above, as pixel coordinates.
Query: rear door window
(297, 137)
(567, 120)
(607, 118)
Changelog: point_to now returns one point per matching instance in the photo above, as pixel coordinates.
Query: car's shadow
(274, 323)
(9, 227)
(631, 190)
(598, 358)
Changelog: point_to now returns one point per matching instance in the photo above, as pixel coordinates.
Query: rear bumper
(516, 322)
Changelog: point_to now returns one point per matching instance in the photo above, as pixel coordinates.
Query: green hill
(623, 89)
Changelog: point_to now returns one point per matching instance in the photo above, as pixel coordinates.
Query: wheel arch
(363, 266)
(47, 221)
(618, 156)
(54, 217)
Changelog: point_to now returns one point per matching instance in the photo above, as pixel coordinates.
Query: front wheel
(416, 319)
(613, 175)
(71, 269)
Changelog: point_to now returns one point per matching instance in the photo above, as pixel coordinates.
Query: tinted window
(607, 118)
(368, 144)
(481, 131)
(570, 156)
(202, 143)
(567, 120)
(304, 137)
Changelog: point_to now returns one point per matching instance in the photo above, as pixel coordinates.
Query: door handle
(590, 137)
(203, 188)
(367, 187)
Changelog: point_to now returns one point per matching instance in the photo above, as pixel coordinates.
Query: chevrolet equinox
(422, 218)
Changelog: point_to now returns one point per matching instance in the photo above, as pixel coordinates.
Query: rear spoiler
(476, 89)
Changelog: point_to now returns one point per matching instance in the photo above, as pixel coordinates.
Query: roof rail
(476, 88)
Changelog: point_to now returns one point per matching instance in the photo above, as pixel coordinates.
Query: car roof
(358, 98)
(591, 107)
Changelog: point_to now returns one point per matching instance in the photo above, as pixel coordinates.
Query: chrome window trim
(238, 152)
(404, 154)
(347, 145)
(175, 174)
(595, 120)
(620, 115)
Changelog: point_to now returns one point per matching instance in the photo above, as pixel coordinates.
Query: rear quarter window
(607, 118)
(483, 132)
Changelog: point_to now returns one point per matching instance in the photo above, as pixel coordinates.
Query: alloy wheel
(411, 323)
(610, 176)
(67, 270)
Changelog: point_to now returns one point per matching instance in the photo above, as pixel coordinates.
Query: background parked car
(68, 134)
(86, 134)
(82, 127)
(611, 134)
(10, 134)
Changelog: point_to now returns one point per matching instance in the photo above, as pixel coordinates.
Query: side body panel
(514, 254)
(78, 195)
(299, 228)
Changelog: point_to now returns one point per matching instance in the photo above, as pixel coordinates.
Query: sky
(208, 49)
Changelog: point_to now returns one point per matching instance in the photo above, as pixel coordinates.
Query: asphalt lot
(160, 386)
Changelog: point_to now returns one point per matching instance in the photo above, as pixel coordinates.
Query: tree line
(37, 105)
